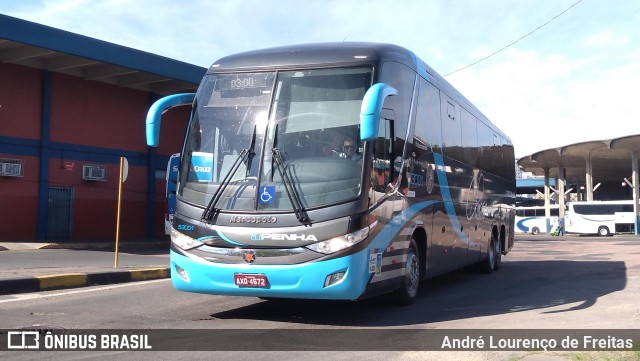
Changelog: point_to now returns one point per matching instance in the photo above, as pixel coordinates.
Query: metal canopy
(42, 47)
(602, 161)
(611, 160)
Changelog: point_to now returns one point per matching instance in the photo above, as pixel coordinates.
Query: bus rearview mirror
(154, 115)
(371, 107)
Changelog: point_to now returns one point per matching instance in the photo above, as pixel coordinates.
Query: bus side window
(382, 152)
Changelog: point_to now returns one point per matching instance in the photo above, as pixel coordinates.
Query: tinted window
(485, 146)
(469, 139)
(402, 78)
(610, 209)
(451, 128)
(427, 130)
(382, 152)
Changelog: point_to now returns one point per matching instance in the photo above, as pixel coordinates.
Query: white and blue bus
(532, 219)
(334, 171)
(600, 217)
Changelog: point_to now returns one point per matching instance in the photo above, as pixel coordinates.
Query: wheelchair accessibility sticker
(267, 193)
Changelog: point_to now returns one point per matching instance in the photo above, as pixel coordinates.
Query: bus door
(384, 171)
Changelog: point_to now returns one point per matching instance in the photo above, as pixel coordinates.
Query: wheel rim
(413, 273)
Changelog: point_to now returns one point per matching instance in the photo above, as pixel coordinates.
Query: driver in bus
(349, 150)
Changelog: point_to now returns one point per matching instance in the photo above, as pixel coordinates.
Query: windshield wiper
(211, 209)
(292, 193)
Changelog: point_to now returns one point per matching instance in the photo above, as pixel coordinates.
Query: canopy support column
(636, 193)
(547, 202)
(589, 178)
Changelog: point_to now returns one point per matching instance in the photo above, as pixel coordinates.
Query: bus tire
(408, 291)
(603, 231)
(535, 231)
(498, 255)
(494, 257)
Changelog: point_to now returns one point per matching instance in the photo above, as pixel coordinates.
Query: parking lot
(566, 282)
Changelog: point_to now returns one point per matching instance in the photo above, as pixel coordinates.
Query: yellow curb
(149, 274)
(62, 281)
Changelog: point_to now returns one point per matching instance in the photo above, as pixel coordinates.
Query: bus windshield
(275, 141)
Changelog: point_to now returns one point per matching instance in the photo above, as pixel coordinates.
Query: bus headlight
(183, 241)
(339, 243)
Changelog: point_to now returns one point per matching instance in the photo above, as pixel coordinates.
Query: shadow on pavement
(518, 286)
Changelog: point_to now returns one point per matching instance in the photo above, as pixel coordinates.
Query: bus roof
(343, 54)
(317, 55)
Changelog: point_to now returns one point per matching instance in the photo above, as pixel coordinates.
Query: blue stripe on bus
(388, 233)
(384, 238)
(222, 235)
(521, 225)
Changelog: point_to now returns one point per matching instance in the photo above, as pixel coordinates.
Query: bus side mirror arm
(154, 115)
(371, 107)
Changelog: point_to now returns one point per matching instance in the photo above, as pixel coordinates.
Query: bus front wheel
(603, 231)
(535, 231)
(408, 291)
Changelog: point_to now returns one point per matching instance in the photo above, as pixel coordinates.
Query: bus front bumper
(306, 280)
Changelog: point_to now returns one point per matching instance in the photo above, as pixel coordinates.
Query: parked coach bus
(533, 219)
(600, 217)
(334, 171)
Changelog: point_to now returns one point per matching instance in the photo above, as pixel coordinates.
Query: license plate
(249, 280)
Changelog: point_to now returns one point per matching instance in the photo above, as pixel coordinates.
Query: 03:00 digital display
(243, 83)
(239, 82)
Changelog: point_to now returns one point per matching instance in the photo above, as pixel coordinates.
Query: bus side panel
(588, 224)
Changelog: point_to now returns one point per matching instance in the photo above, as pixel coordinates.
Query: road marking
(38, 295)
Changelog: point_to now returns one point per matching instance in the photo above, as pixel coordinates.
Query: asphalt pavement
(34, 267)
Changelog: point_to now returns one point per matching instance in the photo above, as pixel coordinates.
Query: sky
(563, 72)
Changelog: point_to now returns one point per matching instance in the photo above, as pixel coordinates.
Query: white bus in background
(532, 219)
(599, 217)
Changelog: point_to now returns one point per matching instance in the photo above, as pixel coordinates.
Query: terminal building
(70, 107)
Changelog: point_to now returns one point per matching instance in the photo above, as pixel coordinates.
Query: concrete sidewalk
(33, 267)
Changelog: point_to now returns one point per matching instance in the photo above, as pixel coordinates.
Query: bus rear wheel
(535, 231)
(408, 291)
(494, 257)
(603, 231)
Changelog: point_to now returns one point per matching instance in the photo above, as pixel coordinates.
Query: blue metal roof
(60, 41)
(534, 182)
